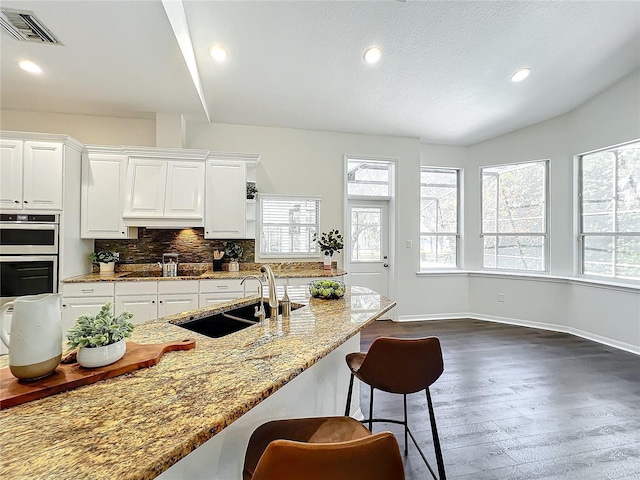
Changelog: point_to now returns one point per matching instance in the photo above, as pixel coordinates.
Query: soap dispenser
(285, 303)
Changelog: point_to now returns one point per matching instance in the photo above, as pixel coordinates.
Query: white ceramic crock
(101, 356)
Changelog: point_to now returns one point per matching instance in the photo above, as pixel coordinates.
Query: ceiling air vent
(25, 27)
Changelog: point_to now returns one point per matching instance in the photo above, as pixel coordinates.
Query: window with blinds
(287, 225)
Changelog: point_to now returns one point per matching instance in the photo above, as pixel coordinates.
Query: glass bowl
(327, 289)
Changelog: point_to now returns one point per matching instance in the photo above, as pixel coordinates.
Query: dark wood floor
(520, 403)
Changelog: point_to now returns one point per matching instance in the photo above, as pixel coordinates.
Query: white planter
(234, 266)
(106, 268)
(101, 356)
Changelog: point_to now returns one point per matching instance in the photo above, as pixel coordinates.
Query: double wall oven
(28, 255)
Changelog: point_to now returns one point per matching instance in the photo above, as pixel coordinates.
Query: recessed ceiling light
(218, 53)
(372, 55)
(30, 66)
(520, 75)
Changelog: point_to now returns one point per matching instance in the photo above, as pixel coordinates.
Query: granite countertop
(207, 275)
(139, 424)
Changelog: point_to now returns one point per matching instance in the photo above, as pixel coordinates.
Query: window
(287, 225)
(439, 228)
(514, 216)
(371, 178)
(610, 212)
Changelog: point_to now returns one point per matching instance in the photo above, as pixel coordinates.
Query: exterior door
(367, 248)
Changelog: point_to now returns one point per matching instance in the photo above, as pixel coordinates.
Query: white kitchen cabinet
(83, 299)
(164, 190)
(143, 307)
(139, 298)
(31, 174)
(213, 292)
(226, 211)
(103, 197)
(176, 296)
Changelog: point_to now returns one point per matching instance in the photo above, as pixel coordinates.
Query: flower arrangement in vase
(330, 243)
(100, 339)
(106, 260)
(234, 251)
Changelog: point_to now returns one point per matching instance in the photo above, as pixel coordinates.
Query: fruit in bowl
(326, 289)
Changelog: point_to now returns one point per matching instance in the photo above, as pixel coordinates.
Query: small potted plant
(233, 250)
(106, 260)
(100, 339)
(329, 243)
(251, 190)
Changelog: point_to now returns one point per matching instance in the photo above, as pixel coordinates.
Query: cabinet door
(143, 307)
(103, 196)
(211, 299)
(146, 183)
(11, 174)
(176, 303)
(225, 210)
(185, 189)
(42, 170)
(73, 307)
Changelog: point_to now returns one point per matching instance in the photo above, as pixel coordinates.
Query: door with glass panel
(367, 245)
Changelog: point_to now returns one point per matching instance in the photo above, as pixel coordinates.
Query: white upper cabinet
(146, 183)
(31, 175)
(11, 174)
(228, 213)
(165, 192)
(185, 190)
(103, 196)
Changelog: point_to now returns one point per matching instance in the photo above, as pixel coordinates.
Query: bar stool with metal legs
(401, 366)
(323, 448)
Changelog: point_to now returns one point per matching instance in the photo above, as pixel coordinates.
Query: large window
(439, 226)
(610, 212)
(514, 216)
(287, 225)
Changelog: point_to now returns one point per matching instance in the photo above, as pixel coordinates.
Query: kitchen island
(191, 415)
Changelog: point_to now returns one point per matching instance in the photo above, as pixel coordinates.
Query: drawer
(177, 286)
(136, 288)
(89, 289)
(221, 286)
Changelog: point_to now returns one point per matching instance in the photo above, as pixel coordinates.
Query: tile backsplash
(188, 243)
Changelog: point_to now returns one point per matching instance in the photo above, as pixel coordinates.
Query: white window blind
(288, 224)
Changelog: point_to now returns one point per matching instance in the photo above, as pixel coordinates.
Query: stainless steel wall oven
(28, 255)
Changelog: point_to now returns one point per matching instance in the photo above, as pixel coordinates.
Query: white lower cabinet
(177, 296)
(83, 299)
(213, 292)
(139, 298)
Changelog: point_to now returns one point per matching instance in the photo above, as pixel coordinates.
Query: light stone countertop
(137, 425)
(208, 275)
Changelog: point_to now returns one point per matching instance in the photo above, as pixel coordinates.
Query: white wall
(88, 129)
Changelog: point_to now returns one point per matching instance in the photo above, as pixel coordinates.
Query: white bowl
(100, 356)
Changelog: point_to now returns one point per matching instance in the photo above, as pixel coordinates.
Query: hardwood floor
(519, 403)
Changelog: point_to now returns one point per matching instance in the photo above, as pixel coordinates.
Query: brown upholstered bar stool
(401, 366)
(325, 448)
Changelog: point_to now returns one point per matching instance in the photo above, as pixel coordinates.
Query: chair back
(376, 457)
(399, 365)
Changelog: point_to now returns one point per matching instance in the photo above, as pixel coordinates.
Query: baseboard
(527, 323)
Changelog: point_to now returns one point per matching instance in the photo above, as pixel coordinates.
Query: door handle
(386, 265)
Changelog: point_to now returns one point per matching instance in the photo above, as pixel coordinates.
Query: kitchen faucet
(273, 296)
(259, 312)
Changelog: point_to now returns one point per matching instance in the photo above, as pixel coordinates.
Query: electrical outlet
(409, 244)
(501, 297)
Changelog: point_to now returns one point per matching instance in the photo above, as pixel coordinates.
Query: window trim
(581, 235)
(306, 198)
(457, 235)
(545, 235)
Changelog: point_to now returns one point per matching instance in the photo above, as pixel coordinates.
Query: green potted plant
(234, 251)
(100, 339)
(251, 190)
(329, 243)
(106, 259)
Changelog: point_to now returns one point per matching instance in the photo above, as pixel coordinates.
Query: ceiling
(444, 76)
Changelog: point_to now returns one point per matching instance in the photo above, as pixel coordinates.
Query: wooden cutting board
(68, 376)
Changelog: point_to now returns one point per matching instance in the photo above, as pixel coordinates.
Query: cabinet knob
(64, 305)
(122, 233)
(160, 301)
(16, 201)
(26, 201)
(153, 301)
